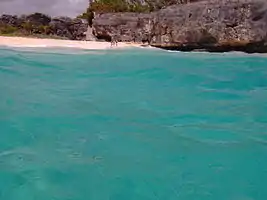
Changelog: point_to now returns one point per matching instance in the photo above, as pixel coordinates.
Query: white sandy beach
(38, 42)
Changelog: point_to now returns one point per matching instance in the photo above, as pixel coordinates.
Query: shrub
(88, 16)
(140, 6)
(8, 29)
(28, 27)
(109, 6)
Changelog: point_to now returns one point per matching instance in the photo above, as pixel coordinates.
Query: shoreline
(43, 43)
(10, 41)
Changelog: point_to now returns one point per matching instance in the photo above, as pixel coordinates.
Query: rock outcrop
(37, 23)
(11, 20)
(89, 34)
(74, 29)
(127, 27)
(224, 25)
(37, 19)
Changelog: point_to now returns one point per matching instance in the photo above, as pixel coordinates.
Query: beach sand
(38, 42)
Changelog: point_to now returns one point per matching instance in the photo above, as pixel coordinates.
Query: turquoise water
(132, 125)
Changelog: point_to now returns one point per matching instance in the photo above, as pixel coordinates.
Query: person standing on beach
(114, 41)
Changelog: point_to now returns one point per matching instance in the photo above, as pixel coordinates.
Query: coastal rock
(37, 19)
(11, 20)
(38, 23)
(78, 29)
(89, 34)
(60, 27)
(212, 25)
(74, 29)
(225, 25)
(127, 27)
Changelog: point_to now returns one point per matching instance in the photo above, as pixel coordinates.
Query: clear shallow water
(132, 124)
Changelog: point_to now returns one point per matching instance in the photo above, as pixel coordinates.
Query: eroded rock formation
(210, 25)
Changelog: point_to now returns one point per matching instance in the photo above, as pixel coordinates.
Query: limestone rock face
(217, 25)
(89, 34)
(74, 29)
(210, 25)
(125, 26)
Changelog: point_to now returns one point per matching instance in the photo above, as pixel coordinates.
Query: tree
(28, 27)
(88, 15)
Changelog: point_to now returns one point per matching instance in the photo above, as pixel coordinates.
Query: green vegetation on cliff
(138, 6)
(25, 25)
(113, 6)
(108, 6)
(25, 29)
(141, 6)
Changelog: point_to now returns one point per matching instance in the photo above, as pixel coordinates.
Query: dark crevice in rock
(231, 25)
(106, 38)
(258, 16)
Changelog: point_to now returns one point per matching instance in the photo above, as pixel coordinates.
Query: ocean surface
(132, 124)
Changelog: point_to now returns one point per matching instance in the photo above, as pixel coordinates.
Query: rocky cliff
(224, 25)
(127, 27)
(74, 29)
(38, 23)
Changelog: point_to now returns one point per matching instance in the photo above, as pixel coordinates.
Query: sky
(52, 7)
